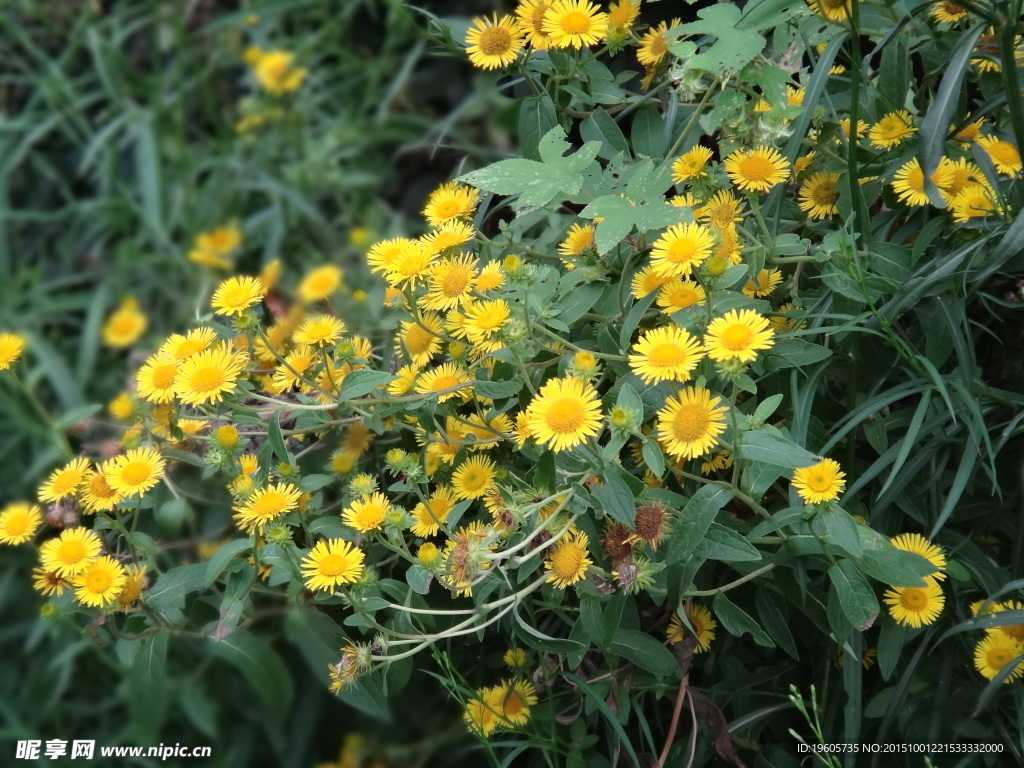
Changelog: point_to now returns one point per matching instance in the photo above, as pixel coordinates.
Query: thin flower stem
(731, 584)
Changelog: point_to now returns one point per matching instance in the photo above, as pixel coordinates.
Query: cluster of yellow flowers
(1001, 648)
(506, 705)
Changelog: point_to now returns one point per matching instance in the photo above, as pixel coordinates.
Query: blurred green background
(119, 144)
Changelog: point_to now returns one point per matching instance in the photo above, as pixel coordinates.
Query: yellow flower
(1004, 155)
(974, 201)
(451, 282)
(621, 16)
(515, 658)
(493, 43)
(690, 423)
(332, 563)
(135, 472)
(473, 477)
(818, 194)
(121, 407)
(135, 582)
(964, 174)
(212, 248)
(758, 169)
(65, 481)
(568, 560)
(411, 265)
(71, 552)
(19, 522)
(155, 379)
(485, 318)
(432, 515)
(48, 583)
(266, 505)
(948, 12)
(448, 237)
(892, 129)
(908, 182)
(680, 249)
(449, 203)
(124, 327)
(531, 21)
(919, 545)
(691, 165)
(819, 483)
(915, 606)
(701, 621)
(738, 335)
(647, 280)
(717, 461)
(427, 554)
(97, 495)
(492, 276)
(844, 127)
(994, 653)
(679, 294)
(367, 514)
(766, 281)
(512, 701)
(668, 353)
(445, 377)
(578, 240)
(319, 331)
(180, 347)
(833, 10)
(319, 283)
(654, 45)
(206, 377)
(11, 346)
(480, 717)
(721, 211)
(100, 582)
(237, 294)
(565, 412)
(276, 72)
(575, 24)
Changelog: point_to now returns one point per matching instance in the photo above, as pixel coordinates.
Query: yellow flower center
(952, 8)
(737, 337)
(490, 319)
(455, 281)
(756, 168)
(682, 250)
(537, 17)
(914, 599)
(690, 422)
(447, 209)
(270, 503)
(566, 561)
(575, 23)
(514, 705)
(999, 657)
(98, 581)
(915, 180)
(135, 473)
(65, 482)
(122, 325)
(207, 379)
(824, 193)
(16, 525)
(716, 266)
(71, 552)
(444, 382)
(1015, 631)
(495, 41)
(333, 565)
(1003, 152)
(819, 482)
(473, 479)
(565, 415)
(163, 376)
(658, 46)
(417, 340)
(666, 355)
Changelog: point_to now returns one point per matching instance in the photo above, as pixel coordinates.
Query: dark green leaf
(644, 651)
(694, 520)
(737, 622)
(362, 382)
(771, 449)
(616, 499)
(261, 666)
(856, 597)
(721, 543)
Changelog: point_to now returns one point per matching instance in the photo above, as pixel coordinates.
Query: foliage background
(119, 146)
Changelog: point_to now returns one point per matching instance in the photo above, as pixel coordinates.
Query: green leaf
(841, 530)
(170, 516)
(616, 499)
(634, 316)
(856, 597)
(147, 684)
(170, 589)
(314, 483)
(737, 622)
(648, 132)
(775, 621)
(76, 415)
(777, 521)
(694, 520)
(735, 47)
(276, 439)
(771, 449)
(219, 560)
(599, 703)
(645, 652)
(498, 390)
(653, 457)
(721, 543)
(536, 117)
(791, 353)
(418, 579)
(544, 643)
(891, 640)
(538, 183)
(261, 666)
(600, 126)
(361, 382)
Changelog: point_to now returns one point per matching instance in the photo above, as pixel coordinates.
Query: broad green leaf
(616, 499)
(891, 640)
(536, 117)
(361, 382)
(644, 651)
(841, 530)
(600, 126)
(261, 666)
(418, 579)
(788, 353)
(737, 622)
(648, 133)
(497, 390)
(170, 589)
(775, 621)
(219, 560)
(538, 183)
(694, 520)
(735, 47)
(771, 449)
(276, 439)
(721, 543)
(314, 483)
(76, 415)
(147, 684)
(856, 597)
